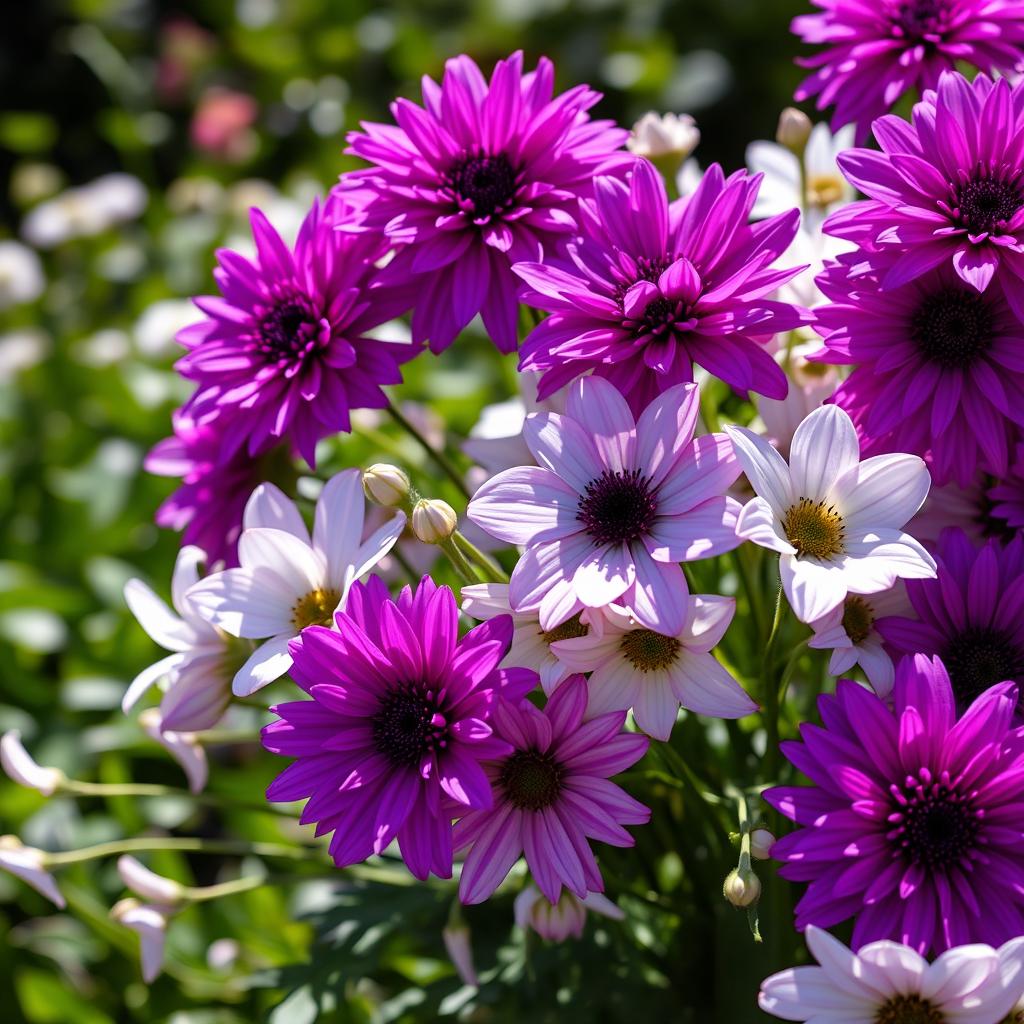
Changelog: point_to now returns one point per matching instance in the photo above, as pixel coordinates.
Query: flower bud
(19, 766)
(742, 889)
(386, 485)
(433, 520)
(457, 942)
(182, 746)
(151, 924)
(664, 135)
(148, 884)
(761, 842)
(794, 129)
(27, 863)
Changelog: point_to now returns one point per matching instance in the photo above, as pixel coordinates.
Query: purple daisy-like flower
(484, 175)
(876, 51)
(613, 506)
(552, 795)
(285, 354)
(657, 287)
(948, 188)
(400, 718)
(971, 615)
(914, 823)
(940, 366)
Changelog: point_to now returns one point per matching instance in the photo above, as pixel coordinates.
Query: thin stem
(144, 789)
(480, 559)
(184, 844)
(770, 692)
(443, 462)
(462, 568)
(749, 589)
(745, 867)
(787, 673)
(197, 894)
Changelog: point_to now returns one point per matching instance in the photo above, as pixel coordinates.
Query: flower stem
(480, 559)
(770, 692)
(445, 464)
(184, 844)
(462, 568)
(197, 894)
(75, 787)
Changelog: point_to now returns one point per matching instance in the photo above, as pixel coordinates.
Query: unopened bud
(761, 843)
(148, 884)
(794, 130)
(386, 485)
(433, 520)
(664, 135)
(742, 889)
(460, 949)
(17, 762)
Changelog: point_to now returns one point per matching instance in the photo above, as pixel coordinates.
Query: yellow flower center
(824, 189)
(857, 619)
(647, 651)
(568, 630)
(814, 529)
(909, 1010)
(315, 609)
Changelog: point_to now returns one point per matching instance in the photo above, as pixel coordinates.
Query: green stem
(145, 789)
(480, 559)
(749, 590)
(197, 894)
(443, 462)
(745, 867)
(787, 672)
(189, 844)
(770, 692)
(462, 568)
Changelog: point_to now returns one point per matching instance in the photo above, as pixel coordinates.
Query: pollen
(315, 608)
(814, 529)
(648, 651)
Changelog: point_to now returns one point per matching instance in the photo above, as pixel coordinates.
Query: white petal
(759, 523)
(655, 706)
(813, 589)
(301, 568)
(485, 600)
(186, 574)
(707, 618)
(875, 560)
(959, 973)
(765, 468)
(147, 677)
(902, 968)
(148, 884)
(268, 506)
(613, 687)
(247, 603)
(268, 662)
(586, 653)
(884, 491)
(20, 766)
(824, 448)
(375, 547)
(153, 615)
(877, 665)
(703, 685)
(338, 525)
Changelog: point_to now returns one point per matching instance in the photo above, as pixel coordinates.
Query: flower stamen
(814, 529)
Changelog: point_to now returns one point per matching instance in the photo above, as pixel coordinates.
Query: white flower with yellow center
(287, 580)
(836, 521)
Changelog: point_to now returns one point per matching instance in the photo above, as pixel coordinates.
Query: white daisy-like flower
(287, 580)
(664, 135)
(889, 983)
(836, 521)
(85, 210)
(848, 631)
(654, 674)
(532, 647)
(21, 274)
(557, 922)
(199, 671)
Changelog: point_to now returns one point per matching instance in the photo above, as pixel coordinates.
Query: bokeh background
(212, 107)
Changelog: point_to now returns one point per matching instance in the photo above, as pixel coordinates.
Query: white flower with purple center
(836, 521)
(288, 580)
(613, 506)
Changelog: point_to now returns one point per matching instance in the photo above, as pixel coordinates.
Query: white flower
(20, 351)
(21, 274)
(85, 211)
(531, 646)
(566, 917)
(887, 981)
(659, 135)
(26, 862)
(849, 632)
(836, 521)
(199, 670)
(155, 330)
(148, 884)
(151, 924)
(182, 746)
(17, 762)
(634, 667)
(285, 580)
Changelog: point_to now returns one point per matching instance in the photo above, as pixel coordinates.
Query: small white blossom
(27, 863)
(21, 768)
(21, 274)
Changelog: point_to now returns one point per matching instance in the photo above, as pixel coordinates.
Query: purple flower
(876, 51)
(208, 505)
(613, 506)
(480, 177)
(658, 287)
(552, 795)
(913, 825)
(947, 188)
(1006, 497)
(971, 615)
(285, 354)
(400, 717)
(940, 366)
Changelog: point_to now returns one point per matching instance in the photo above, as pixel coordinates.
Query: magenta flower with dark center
(939, 366)
(659, 287)
(483, 175)
(971, 615)
(400, 718)
(946, 189)
(287, 353)
(876, 51)
(913, 823)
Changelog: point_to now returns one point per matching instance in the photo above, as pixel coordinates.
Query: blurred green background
(213, 107)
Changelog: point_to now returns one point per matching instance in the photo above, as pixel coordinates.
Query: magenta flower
(286, 353)
(613, 506)
(400, 717)
(940, 366)
(913, 824)
(971, 615)
(876, 51)
(552, 795)
(947, 188)
(480, 177)
(657, 287)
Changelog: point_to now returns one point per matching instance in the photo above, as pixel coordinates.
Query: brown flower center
(647, 651)
(315, 608)
(909, 1010)
(857, 619)
(814, 529)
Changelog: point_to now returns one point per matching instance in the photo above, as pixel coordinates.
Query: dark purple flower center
(617, 507)
(408, 725)
(986, 203)
(910, 1009)
(288, 330)
(936, 826)
(531, 780)
(858, 619)
(917, 18)
(631, 270)
(979, 657)
(484, 186)
(953, 327)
